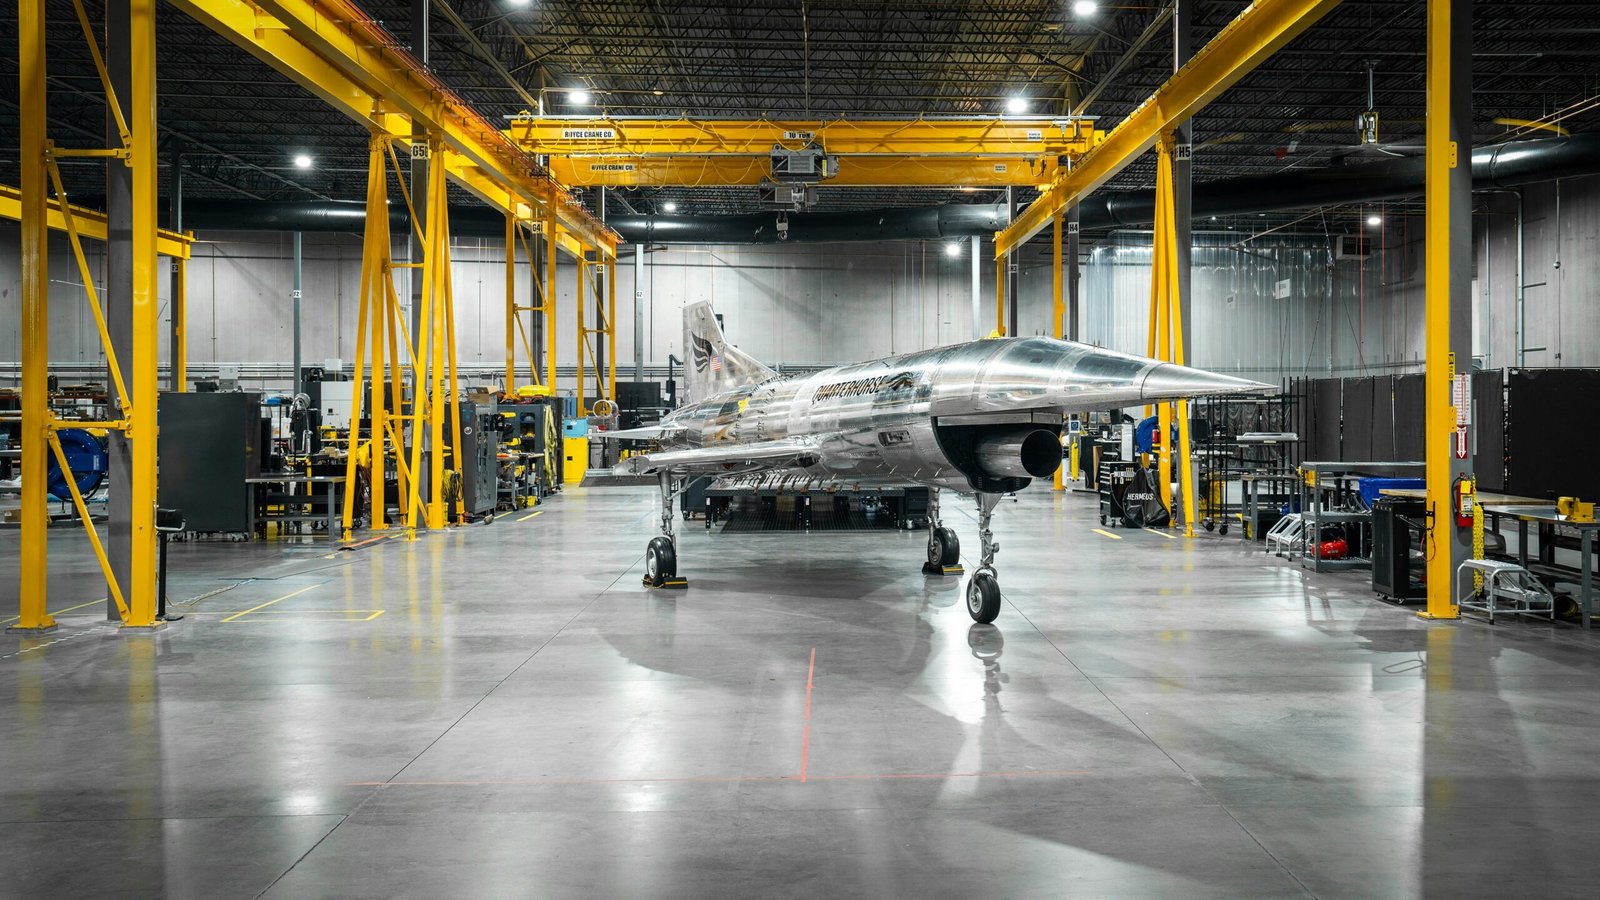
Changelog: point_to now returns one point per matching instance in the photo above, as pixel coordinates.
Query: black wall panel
(1551, 431)
(1409, 414)
(1359, 412)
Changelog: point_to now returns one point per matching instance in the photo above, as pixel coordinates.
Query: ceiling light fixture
(669, 206)
(1017, 105)
(1083, 9)
(1374, 220)
(578, 96)
(518, 2)
(302, 161)
(952, 249)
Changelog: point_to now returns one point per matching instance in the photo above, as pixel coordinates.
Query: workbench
(1548, 519)
(306, 503)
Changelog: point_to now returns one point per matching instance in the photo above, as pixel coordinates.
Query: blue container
(1372, 488)
(574, 428)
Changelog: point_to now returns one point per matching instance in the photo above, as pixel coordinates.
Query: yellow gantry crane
(336, 51)
(930, 151)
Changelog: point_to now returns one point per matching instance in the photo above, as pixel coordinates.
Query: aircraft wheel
(660, 560)
(944, 548)
(983, 597)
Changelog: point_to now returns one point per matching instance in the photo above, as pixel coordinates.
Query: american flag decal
(716, 362)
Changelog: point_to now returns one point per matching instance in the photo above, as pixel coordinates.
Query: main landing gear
(983, 588)
(944, 557)
(944, 548)
(661, 554)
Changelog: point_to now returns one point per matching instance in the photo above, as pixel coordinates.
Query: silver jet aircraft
(982, 418)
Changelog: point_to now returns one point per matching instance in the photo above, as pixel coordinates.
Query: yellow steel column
(511, 303)
(1059, 309)
(611, 329)
(33, 616)
(363, 311)
(550, 303)
(452, 388)
(180, 321)
(1000, 295)
(141, 587)
(1446, 290)
(435, 258)
(583, 335)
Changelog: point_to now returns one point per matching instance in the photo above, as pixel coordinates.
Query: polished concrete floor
(503, 711)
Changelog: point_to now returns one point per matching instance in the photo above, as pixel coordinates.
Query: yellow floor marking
(59, 611)
(1114, 537)
(270, 602)
(530, 515)
(1162, 533)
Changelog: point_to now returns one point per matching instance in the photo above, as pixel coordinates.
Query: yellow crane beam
(927, 136)
(1257, 33)
(90, 223)
(934, 152)
(853, 171)
(336, 51)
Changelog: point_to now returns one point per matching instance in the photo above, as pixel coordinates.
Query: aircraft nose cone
(1173, 382)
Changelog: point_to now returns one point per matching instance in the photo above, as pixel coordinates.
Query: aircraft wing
(642, 433)
(727, 458)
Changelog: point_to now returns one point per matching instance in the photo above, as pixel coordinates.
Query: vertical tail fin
(712, 365)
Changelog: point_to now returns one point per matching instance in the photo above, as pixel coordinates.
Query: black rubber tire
(1222, 530)
(944, 548)
(660, 560)
(983, 598)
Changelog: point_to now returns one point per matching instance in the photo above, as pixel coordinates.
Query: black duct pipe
(1498, 166)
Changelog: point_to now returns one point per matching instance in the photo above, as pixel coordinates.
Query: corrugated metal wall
(819, 304)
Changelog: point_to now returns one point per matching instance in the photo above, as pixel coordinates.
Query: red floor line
(805, 739)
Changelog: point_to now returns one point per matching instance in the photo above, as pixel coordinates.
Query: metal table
(1250, 483)
(1546, 516)
(335, 490)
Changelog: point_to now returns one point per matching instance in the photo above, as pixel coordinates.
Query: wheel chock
(670, 584)
(931, 569)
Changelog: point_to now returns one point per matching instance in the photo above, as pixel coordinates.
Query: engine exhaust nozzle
(1019, 453)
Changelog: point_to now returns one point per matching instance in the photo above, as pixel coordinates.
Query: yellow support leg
(1440, 157)
(611, 330)
(1059, 307)
(511, 304)
(583, 334)
(35, 332)
(1000, 296)
(180, 323)
(550, 305)
(141, 590)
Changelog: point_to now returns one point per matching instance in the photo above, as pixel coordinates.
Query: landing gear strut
(983, 589)
(944, 548)
(661, 554)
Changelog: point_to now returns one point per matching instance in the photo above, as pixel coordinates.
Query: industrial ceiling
(239, 124)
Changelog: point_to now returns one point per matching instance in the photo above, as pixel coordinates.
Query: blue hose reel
(86, 463)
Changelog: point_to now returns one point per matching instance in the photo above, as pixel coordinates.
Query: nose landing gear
(983, 588)
(661, 554)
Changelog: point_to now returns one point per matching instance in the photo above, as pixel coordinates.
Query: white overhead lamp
(952, 249)
(578, 96)
(518, 2)
(1374, 220)
(669, 206)
(1017, 105)
(302, 161)
(1083, 9)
